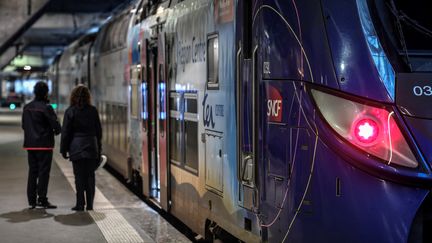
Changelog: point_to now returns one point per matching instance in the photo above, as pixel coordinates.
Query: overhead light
(160, 10)
(27, 67)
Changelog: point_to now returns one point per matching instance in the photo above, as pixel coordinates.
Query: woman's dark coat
(81, 133)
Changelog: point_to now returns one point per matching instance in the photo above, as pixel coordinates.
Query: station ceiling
(42, 28)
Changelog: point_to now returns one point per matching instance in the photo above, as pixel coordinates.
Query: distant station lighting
(160, 10)
(27, 67)
(12, 106)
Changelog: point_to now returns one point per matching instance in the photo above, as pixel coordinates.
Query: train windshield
(405, 30)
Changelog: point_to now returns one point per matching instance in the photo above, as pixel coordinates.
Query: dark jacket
(39, 122)
(81, 133)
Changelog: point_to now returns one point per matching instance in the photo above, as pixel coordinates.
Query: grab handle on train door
(239, 112)
(255, 110)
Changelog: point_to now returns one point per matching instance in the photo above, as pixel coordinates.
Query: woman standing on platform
(81, 143)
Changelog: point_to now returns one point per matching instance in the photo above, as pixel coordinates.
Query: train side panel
(202, 117)
(109, 89)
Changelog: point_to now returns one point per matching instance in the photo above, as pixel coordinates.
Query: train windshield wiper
(395, 12)
(412, 23)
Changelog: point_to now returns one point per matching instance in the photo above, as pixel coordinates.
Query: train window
(121, 125)
(184, 130)
(114, 125)
(106, 118)
(176, 125)
(117, 126)
(123, 30)
(105, 123)
(174, 101)
(106, 44)
(108, 124)
(134, 100)
(125, 128)
(175, 140)
(116, 35)
(191, 142)
(162, 97)
(213, 62)
(134, 96)
(191, 106)
(191, 131)
(111, 124)
(102, 118)
(144, 11)
(144, 106)
(123, 35)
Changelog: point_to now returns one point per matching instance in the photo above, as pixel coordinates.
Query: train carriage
(71, 68)
(274, 121)
(109, 84)
(184, 126)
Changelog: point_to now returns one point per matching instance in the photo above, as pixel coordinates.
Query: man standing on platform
(40, 124)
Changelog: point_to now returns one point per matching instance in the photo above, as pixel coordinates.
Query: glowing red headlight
(366, 130)
(372, 129)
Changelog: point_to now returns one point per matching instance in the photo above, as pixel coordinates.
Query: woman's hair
(40, 90)
(80, 96)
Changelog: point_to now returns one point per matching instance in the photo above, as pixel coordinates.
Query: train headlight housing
(372, 129)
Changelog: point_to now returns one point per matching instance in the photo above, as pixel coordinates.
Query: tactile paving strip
(115, 228)
(112, 224)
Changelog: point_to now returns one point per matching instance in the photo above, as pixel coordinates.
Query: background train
(267, 120)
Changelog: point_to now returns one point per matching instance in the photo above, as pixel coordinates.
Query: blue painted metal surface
(352, 61)
(313, 185)
(422, 132)
(287, 24)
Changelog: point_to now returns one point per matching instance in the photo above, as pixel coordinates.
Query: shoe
(89, 208)
(76, 208)
(32, 206)
(47, 205)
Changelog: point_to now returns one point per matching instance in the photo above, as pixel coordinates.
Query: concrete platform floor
(119, 216)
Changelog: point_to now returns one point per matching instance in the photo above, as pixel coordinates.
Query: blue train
(270, 120)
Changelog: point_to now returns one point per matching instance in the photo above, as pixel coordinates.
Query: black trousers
(39, 169)
(84, 171)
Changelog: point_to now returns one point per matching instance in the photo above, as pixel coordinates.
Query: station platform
(118, 216)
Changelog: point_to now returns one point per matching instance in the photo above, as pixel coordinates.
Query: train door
(145, 114)
(162, 124)
(153, 104)
(247, 107)
(284, 142)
